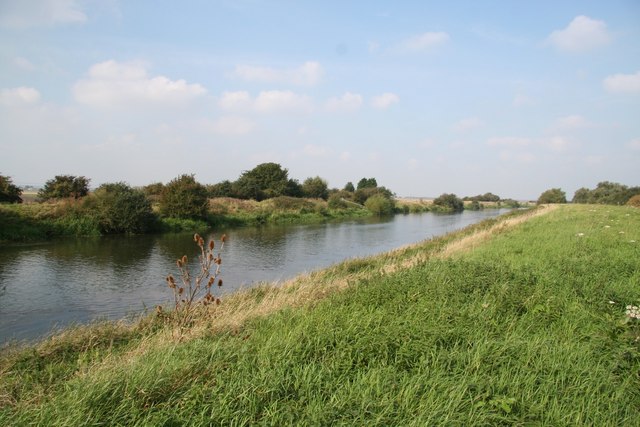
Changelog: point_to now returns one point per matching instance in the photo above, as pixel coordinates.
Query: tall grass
(525, 325)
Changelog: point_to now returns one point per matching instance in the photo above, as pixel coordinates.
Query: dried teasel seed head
(223, 238)
(211, 245)
(184, 259)
(201, 242)
(219, 282)
(217, 301)
(196, 237)
(179, 263)
(210, 257)
(211, 280)
(180, 291)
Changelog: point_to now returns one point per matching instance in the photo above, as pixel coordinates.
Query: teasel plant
(190, 291)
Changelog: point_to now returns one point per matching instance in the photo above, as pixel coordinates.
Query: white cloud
(315, 150)
(21, 14)
(623, 83)
(423, 42)
(522, 100)
(509, 141)
(346, 103)
(468, 124)
(571, 122)
(19, 96)
(557, 143)
(634, 145)
(235, 101)
(271, 101)
(525, 157)
(232, 125)
(582, 34)
(385, 100)
(308, 74)
(113, 84)
(23, 64)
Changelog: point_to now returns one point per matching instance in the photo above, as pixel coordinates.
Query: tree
(349, 187)
(122, 209)
(154, 189)
(221, 189)
(367, 183)
(582, 195)
(449, 202)
(553, 195)
(315, 188)
(262, 182)
(9, 192)
(379, 205)
(64, 186)
(610, 193)
(184, 197)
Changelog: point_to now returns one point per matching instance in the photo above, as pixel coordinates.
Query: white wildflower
(580, 234)
(607, 226)
(633, 312)
(612, 302)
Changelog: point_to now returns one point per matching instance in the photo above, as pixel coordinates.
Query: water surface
(49, 285)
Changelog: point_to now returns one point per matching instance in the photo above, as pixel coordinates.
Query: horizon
(428, 98)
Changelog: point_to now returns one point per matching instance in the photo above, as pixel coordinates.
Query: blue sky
(427, 97)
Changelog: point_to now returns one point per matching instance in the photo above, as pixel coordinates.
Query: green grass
(528, 328)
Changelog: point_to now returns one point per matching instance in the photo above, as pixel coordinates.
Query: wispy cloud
(21, 14)
(114, 84)
(623, 83)
(385, 100)
(468, 124)
(348, 102)
(423, 42)
(19, 96)
(571, 122)
(581, 35)
(308, 74)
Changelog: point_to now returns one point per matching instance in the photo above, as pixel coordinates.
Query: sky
(428, 97)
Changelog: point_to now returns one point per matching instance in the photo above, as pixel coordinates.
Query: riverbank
(31, 222)
(516, 320)
(41, 221)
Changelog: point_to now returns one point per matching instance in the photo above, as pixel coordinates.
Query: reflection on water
(49, 285)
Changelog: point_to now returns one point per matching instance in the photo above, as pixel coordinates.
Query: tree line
(605, 193)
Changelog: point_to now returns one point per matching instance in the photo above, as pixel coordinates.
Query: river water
(49, 285)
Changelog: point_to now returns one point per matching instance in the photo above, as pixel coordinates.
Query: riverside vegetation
(263, 195)
(527, 319)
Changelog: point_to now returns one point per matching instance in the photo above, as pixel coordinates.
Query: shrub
(184, 197)
(64, 186)
(367, 183)
(449, 202)
(378, 204)
(315, 188)
(265, 181)
(336, 202)
(122, 209)
(349, 187)
(553, 195)
(634, 201)
(9, 192)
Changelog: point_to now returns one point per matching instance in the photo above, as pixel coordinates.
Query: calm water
(49, 285)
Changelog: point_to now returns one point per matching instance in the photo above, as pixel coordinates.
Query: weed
(194, 290)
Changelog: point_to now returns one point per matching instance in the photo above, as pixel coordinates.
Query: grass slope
(524, 323)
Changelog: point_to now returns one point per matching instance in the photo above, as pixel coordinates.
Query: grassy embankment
(512, 321)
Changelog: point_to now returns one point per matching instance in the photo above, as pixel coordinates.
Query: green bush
(9, 193)
(378, 204)
(64, 186)
(554, 195)
(336, 202)
(184, 197)
(449, 202)
(315, 188)
(121, 209)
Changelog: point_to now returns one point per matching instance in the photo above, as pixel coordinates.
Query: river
(49, 285)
